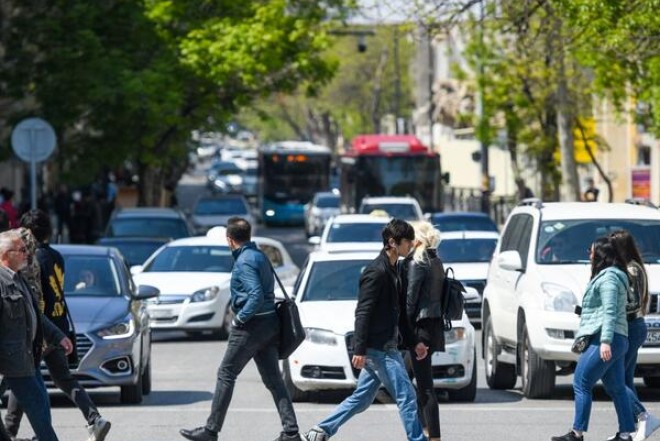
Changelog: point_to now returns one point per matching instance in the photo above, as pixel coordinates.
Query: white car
(539, 273)
(468, 254)
(347, 232)
(400, 207)
(326, 294)
(193, 277)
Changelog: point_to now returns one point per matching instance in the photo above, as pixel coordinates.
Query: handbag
(580, 344)
(292, 333)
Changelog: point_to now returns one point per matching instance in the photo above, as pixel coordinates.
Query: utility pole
(429, 36)
(397, 82)
(483, 119)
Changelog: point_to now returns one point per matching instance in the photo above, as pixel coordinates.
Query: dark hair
(627, 246)
(4, 221)
(38, 222)
(606, 254)
(239, 229)
(397, 229)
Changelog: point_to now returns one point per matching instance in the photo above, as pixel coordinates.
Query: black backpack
(452, 299)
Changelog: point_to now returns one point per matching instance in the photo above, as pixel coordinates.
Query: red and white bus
(390, 165)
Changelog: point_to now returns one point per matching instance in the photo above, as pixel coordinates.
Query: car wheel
(297, 395)
(131, 394)
(652, 382)
(146, 379)
(538, 375)
(224, 331)
(498, 375)
(469, 392)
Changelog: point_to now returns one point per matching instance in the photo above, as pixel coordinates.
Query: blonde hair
(426, 236)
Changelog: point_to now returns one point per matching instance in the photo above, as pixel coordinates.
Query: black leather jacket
(424, 300)
(19, 353)
(379, 309)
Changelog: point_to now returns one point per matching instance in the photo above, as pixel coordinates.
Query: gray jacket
(20, 354)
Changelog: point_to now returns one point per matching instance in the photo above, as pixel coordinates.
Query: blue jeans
(257, 339)
(637, 331)
(386, 368)
(33, 397)
(591, 368)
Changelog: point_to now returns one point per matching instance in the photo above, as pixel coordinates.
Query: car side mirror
(136, 269)
(510, 261)
(146, 292)
(314, 240)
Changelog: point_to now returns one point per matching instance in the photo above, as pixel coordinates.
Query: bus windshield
(294, 177)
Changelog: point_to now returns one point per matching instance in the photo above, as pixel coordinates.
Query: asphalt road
(184, 377)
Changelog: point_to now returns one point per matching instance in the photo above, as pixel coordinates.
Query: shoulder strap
(279, 282)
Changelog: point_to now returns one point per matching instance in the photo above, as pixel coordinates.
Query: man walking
(48, 273)
(254, 334)
(378, 324)
(22, 332)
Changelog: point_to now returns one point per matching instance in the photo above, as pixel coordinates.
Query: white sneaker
(316, 434)
(646, 427)
(98, 430)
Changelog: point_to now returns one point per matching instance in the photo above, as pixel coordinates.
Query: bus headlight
(270, 212)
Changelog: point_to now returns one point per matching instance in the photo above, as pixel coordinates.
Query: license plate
(653, 338)
(161, 313)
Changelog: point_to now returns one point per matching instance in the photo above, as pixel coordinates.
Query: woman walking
(636, 308)
(603, 320)
(424, 310)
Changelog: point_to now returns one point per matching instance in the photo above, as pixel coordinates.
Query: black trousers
(427, 402)
(256, 339)
(58, 366)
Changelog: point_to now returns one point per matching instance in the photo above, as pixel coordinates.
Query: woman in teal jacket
(604, 319)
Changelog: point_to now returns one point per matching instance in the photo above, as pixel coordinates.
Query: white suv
(539, 271)
(400, 207)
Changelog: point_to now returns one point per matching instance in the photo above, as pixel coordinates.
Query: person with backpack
(636, 308)
(604, 327)
(425, 279)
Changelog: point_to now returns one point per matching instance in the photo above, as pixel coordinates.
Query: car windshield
(328, 202)
(90, 276)
(207, 207)
(199, 258)
(148, 227)
(227, 168)
(399, 211)
(466, 250)
(334, 280)
(136, 253)
(467, 223)
(357, 232)
(569, 241)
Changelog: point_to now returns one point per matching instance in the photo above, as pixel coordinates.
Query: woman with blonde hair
(425, 275)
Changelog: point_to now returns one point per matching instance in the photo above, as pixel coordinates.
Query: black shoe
(199, 434)
(570, 436)
(284, 437)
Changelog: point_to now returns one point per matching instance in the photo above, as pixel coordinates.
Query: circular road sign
(33, 139)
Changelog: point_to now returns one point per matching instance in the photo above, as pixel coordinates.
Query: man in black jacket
(51, 269)
(23, 329)
(379, 322)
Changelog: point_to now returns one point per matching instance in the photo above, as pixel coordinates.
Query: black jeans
(427, 402)
(256, 339)
(58, 366)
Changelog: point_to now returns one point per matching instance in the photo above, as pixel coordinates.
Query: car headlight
(320, 337)
(558, 298)
(234, 179)
(454, 335)
(205, 295)
(123, 329)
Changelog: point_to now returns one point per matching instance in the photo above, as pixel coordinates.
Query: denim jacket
(252, 283)
(604, 305)
(20, 354)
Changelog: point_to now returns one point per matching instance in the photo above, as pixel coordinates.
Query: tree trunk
(570, 190)
(377, 91)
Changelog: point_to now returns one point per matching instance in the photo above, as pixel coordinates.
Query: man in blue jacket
(254, 334)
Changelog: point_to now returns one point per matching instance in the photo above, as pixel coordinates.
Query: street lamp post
(485, 172)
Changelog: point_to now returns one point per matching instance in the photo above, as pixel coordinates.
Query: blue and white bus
(290, 172)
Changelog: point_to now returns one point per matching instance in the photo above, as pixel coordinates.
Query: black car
(134, 249)
(113, 335)
(149, 222)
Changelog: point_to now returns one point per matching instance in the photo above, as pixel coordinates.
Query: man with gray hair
(23, 328)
